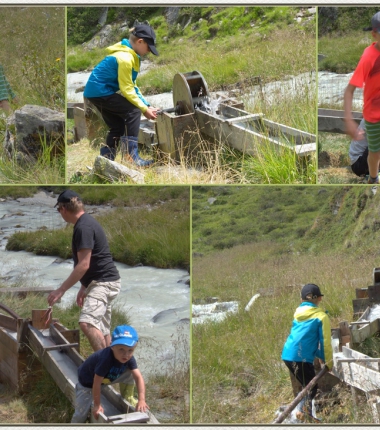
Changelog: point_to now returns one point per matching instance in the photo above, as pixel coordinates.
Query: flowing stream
(157, 301)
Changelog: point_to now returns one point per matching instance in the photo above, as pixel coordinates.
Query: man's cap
(66, 196)
(310, 289)
(375, 23)
(144, 31)
(124, 335)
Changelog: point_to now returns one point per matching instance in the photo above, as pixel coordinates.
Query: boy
(112, 89)
(367, 74)
(310, 337)
(108, 366)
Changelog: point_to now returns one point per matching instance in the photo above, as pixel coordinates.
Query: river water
(157, 301)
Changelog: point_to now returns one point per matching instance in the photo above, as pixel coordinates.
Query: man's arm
(84, 258)
(140, 384)
(96, 393)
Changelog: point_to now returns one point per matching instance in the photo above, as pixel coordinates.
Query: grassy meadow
(33, 57)
(285, 237)
(233, 46)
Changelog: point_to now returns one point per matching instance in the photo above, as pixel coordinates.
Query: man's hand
(151, 112)
(81, 296)
(54, 296)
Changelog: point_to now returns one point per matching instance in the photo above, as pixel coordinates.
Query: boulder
(32, 129)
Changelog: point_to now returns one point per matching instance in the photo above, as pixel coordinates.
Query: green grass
(156, 236)
(34, 64)
(299, 234)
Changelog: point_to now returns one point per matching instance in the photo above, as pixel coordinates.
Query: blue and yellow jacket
(310, 336)
(117, 73)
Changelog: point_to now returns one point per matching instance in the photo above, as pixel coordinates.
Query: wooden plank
(59, 338)
(70, 108)
(360, 305)
(374, 293)
(23, 291)
(376, 275)
(64, 372)
(41, 318)
(361, 334)
(60, 347)
(332, 121)
(133, 417)
(80, 129)
(8, 322)
(361, 293)
(7, 342)
(356, 375)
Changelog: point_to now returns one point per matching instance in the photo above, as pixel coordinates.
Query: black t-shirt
(89, 234)
(103, 363)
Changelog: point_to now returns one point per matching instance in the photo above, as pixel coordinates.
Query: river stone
(115, 171)
(30, 127)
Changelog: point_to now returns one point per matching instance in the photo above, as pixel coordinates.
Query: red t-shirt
(367, 74)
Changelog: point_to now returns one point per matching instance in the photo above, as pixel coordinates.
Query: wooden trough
(180, 132)
(26, 345)
(332, 120)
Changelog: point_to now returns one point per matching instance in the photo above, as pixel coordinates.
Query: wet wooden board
(361, 334)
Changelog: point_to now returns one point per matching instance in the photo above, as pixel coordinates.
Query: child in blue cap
(111, 365)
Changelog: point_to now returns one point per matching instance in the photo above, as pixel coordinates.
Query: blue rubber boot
(107, 152)
(129, 146)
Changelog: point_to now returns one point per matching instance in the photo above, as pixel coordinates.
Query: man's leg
(95, 336)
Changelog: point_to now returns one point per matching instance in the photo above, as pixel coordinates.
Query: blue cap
(124, 335)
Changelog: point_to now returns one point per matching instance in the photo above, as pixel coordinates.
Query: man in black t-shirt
(93, 267)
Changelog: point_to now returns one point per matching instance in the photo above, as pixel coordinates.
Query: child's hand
(141, 406)
(151, 113)
(353, 130)
(96, 410)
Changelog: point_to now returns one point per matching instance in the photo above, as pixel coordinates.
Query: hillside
(297, 218)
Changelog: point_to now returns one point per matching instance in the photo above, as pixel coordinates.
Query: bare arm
(96, 393)
(140, 384)
(84, 257)
(351, 126)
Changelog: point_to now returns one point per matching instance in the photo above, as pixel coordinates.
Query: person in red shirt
(367, 75)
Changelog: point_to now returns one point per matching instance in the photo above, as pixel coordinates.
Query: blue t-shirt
(103, 363)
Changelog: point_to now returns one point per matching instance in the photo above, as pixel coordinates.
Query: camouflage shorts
(96, 308)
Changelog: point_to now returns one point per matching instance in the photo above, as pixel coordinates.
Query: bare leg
(107, 339)
(373, 163)
(96, 338)
(4, 104)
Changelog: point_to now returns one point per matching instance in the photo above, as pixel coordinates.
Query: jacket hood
(306, 310)
(123, 46)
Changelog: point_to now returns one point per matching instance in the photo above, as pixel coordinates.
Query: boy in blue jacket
(309, 338)
(112, 89)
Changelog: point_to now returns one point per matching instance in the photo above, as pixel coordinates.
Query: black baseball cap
(375, 23)
(66, 196)
(144, 31)
(310, 289)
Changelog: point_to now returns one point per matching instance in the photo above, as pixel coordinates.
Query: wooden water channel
(179, 132)
(26, 346)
